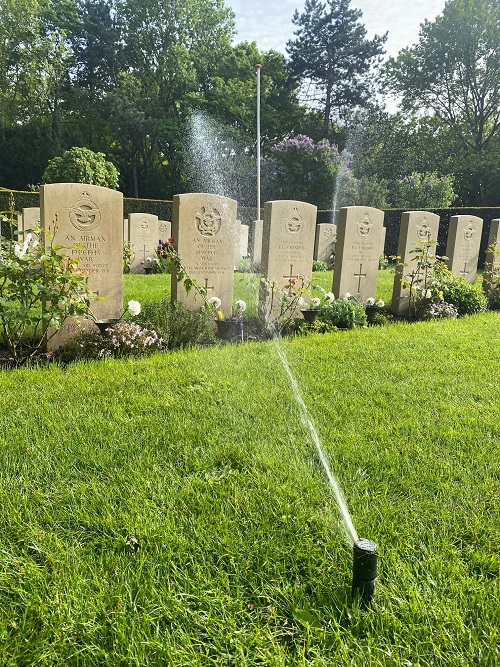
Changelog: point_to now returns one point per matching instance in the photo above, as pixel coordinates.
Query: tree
(297, 168)
(81, 165)
(332, 55)
(454, 72)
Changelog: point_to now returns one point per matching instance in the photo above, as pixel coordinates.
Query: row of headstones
(205, 228)
(143, 231)
(417, 227)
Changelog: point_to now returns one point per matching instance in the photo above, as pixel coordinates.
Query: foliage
(128, 256)
(81, 165)
(330, 51)
(431, 282)
(40, 286)
(432, 310)
(177, 325)
(297, 168)
(423, 191)
(344, 313)
(279, 304)
(124, 339)
(453, 71)
(491, 277)
(166, 251)
(468, 299)
(319, 266)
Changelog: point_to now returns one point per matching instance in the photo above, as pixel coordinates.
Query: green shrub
(177, 325)
(124, 339)
(344, 313)
(40, 286)
(467, 299)
(427, 190)
(81, 165)
(319, 266)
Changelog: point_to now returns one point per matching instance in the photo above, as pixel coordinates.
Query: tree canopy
(331, 53)
(454, 72)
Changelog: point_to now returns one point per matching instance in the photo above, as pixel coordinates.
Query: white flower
(346, 296)
(428, 294)
(380, 303)
(20, 250)
(370, 301)
(134, 307)
(329, 297)
(301, 303)
(215, 301)
(315, 302)
(241, 306)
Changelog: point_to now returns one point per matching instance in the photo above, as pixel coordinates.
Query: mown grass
(246, 285)
(172, 510)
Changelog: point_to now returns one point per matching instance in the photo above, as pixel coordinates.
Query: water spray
(364, 570)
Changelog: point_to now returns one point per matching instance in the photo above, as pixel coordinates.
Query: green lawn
(173, 511)
(155, 287)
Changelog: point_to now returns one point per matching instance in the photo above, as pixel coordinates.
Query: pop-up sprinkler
(364, 570)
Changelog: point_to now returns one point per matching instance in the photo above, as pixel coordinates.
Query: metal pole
(258, 68)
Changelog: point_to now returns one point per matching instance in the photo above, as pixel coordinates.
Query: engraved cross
(359, 276)
(206, 285)
(464, 272)
(290, 277)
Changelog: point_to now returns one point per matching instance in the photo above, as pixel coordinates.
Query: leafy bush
(319, 266)
(123, 339)
(40, 287)
(297, 168)
(344, 313)
(177, 325)
(81, 165)
(440, 310)
(422, 191)
(468, 299)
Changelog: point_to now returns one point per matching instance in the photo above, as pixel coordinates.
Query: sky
(269, 22)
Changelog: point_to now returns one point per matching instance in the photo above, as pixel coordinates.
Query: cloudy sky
(269, 22)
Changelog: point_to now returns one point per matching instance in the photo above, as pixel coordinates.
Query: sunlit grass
(172, 510)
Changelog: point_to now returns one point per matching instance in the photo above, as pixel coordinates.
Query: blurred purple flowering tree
(297, 168)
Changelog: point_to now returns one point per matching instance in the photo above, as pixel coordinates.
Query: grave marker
(90, 216)
(204, 232)
(357, 252)
(287, 243)
(256, 253)
(143, 235)
(324, 244)
(462, 247)
(416, 227)
(492, 255)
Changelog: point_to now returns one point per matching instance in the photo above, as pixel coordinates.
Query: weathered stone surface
(492, 256)
(143, 235)
(357, 252)
(462, 247)
(256, 253)
(164, 230)
(30, 218)
(288, 242)
(417, 227)
(92, 217)
(204, 230)
(244, 241)
(324, 244)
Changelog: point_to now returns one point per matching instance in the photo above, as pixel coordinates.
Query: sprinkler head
(364, 570)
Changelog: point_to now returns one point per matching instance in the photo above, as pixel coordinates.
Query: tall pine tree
(332, 57)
